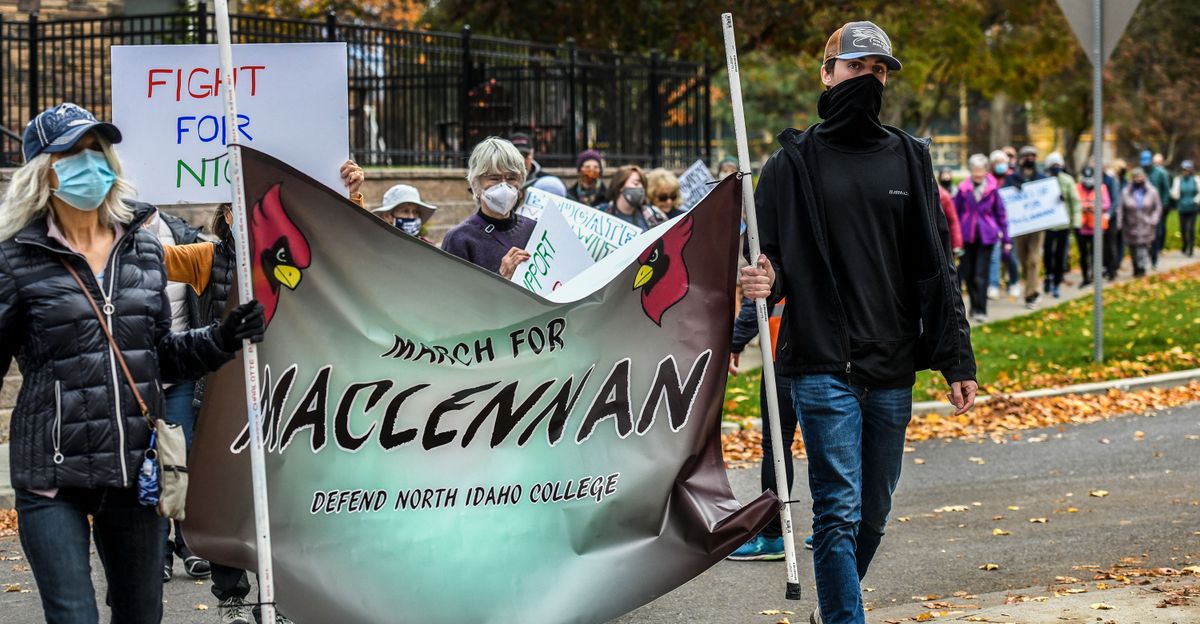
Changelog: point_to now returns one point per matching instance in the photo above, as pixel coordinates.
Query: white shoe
(815, 618)
(1014, 291)
(979, 319)
(993, 293)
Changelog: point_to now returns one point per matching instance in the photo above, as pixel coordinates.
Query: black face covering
(850, 113)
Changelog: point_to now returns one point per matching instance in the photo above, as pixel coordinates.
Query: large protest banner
(695, 183)
(444, 446)
(600, 232)
(1034, 207)
(167, 100)
(556, 255)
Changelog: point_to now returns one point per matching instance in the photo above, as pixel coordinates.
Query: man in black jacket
(853, 236)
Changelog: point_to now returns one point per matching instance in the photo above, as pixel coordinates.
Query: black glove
(244, 322)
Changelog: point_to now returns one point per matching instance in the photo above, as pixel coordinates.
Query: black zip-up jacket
(76, 423)
(814, 336)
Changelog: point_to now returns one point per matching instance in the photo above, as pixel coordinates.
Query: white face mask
(500, 198)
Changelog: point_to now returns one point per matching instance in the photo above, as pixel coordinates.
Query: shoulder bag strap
(111, 341)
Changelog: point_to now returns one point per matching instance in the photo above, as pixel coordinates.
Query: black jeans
(229, 582)
(55, 538)
(787, 429)
(1160, 236)
(973, 268)
(1187, 228)
(1055, 257)
(1085, 243)
(1114, 251)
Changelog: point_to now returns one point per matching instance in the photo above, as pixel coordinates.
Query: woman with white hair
(71, 245)
(494, 237)
(984, 224)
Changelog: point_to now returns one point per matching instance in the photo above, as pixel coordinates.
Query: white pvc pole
(258, 469)
(1098, 176)
(760, 305)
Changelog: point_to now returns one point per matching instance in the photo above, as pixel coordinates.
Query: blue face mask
(410, 226)
(84, 179)
(1001, 168)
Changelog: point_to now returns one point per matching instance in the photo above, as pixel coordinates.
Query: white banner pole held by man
(258, 469)
(764, 329)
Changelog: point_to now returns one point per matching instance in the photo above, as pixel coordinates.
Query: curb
(1162, 380)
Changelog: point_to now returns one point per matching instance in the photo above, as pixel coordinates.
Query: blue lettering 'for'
(208, 128)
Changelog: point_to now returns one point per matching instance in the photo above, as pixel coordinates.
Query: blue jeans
(54, 536)
(855, 441)
(1010, 264)
(180, 410)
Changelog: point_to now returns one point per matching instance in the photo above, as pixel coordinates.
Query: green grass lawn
(1150, 326)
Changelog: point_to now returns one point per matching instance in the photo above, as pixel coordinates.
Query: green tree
(1155, 80)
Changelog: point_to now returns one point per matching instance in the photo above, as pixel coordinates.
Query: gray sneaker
(234, 611)
(815, 618)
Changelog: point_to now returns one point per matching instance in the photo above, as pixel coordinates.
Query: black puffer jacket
(76, 423)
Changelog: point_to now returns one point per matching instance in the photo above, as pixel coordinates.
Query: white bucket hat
(405, 194)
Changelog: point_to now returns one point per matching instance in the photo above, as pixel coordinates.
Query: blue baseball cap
(58, 128)
(1146, 157)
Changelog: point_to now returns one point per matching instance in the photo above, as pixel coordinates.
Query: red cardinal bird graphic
(663, 276)
(278, 253)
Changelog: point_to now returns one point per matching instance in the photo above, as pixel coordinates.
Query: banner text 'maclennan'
(383, 400)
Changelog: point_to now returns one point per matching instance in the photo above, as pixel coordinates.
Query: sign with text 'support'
(556, 255)
(169, 103)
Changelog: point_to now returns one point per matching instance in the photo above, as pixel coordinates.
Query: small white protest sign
(556, 255)
(599, 232)
(695, 183)
(1034, 207)
(169, 104)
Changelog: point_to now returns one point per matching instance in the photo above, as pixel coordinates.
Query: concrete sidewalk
(1179, 597)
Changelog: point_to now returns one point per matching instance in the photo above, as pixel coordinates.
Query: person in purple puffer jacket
(983, 223)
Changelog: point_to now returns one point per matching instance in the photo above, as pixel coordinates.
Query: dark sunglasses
(663, 197)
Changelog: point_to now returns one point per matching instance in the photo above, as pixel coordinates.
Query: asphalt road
(1152, 510)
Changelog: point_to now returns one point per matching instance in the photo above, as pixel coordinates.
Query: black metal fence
(416, 98)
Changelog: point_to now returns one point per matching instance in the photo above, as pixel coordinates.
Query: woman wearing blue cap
(83, 310)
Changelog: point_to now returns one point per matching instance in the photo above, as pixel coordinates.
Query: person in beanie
(727, 167)
(1184, 195)
(1028, 246)
(1091, 198)
(589, 189)
(1056, 248)
(863, 243)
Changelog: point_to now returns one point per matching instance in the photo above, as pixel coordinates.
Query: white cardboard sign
(169, 103)
(599, 232)
(1034, 207)
(556, 255)
(695, 183)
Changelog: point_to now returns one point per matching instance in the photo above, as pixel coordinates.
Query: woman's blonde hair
(28, 195)
(494, 155)
(662, 180)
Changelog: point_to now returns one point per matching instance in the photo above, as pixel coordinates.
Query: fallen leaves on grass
(8, 522)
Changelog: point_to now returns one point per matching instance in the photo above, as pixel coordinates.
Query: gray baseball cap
(859, 39)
